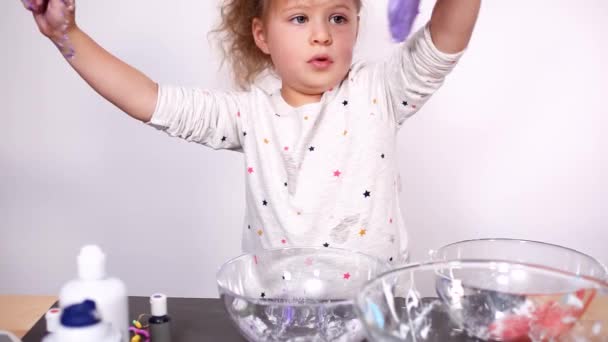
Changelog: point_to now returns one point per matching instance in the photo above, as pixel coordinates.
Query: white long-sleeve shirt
(323, 174)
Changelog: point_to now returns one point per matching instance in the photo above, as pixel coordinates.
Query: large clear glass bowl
(297, 294)
(525, 251)
(473, 300)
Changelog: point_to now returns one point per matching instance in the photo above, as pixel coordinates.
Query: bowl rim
(434, 252)
(385, 266)
(600, 284)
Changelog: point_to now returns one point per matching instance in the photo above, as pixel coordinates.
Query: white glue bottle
(109, 294)
(81, 322)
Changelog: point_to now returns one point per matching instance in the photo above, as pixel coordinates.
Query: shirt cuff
(439, 56)
(160, 117)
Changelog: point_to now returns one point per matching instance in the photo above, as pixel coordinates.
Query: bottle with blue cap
(109, 294)
(82, 322)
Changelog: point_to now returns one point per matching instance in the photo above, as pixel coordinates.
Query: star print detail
(311, 148)
(308, 261)
(345, 132)
(264, 202)
(283, 241)
(244, 133)
(283, 277)
(238, 114)
(224, 138)
(285, 184)
(382, 156)
(263, 295)
(345, 103)
(326, 245)
(249, 226)
(266, 141)
(367, 194)
(277, 114)
(260, 232)
(250, 170)
(390, 259)
(404, 103)
(390, 220)
(346, 276)
(362, 232)
(337, 173)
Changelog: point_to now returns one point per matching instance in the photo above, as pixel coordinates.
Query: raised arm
(452, 24)
(124, 86)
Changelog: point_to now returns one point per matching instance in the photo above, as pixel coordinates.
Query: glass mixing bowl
(525, 251)
(297, 294)
(473, 300)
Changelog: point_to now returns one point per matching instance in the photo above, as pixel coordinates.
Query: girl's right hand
(53, 17)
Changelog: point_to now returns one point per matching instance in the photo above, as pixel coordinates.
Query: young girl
(320, 149)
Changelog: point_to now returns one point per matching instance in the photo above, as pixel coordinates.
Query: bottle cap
(158, 305)
(91, 263)
(80, 315)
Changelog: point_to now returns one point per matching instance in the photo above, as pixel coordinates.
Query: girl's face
(310, 42)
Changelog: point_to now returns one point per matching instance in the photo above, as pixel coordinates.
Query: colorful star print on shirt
(323, 174)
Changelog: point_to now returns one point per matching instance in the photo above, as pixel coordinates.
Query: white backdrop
(511, 146)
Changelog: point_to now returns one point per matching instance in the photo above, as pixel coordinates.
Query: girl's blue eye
(300, 19)
(338, 19)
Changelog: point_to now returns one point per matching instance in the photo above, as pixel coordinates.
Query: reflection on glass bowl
(297, 294)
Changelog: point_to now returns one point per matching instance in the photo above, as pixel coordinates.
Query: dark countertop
(192, 320)
(205, 319)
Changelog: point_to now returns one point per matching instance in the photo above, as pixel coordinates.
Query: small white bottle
(52, 318)
(109, 294)
(81, 322)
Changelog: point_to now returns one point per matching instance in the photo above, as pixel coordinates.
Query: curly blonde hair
(235, 38)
